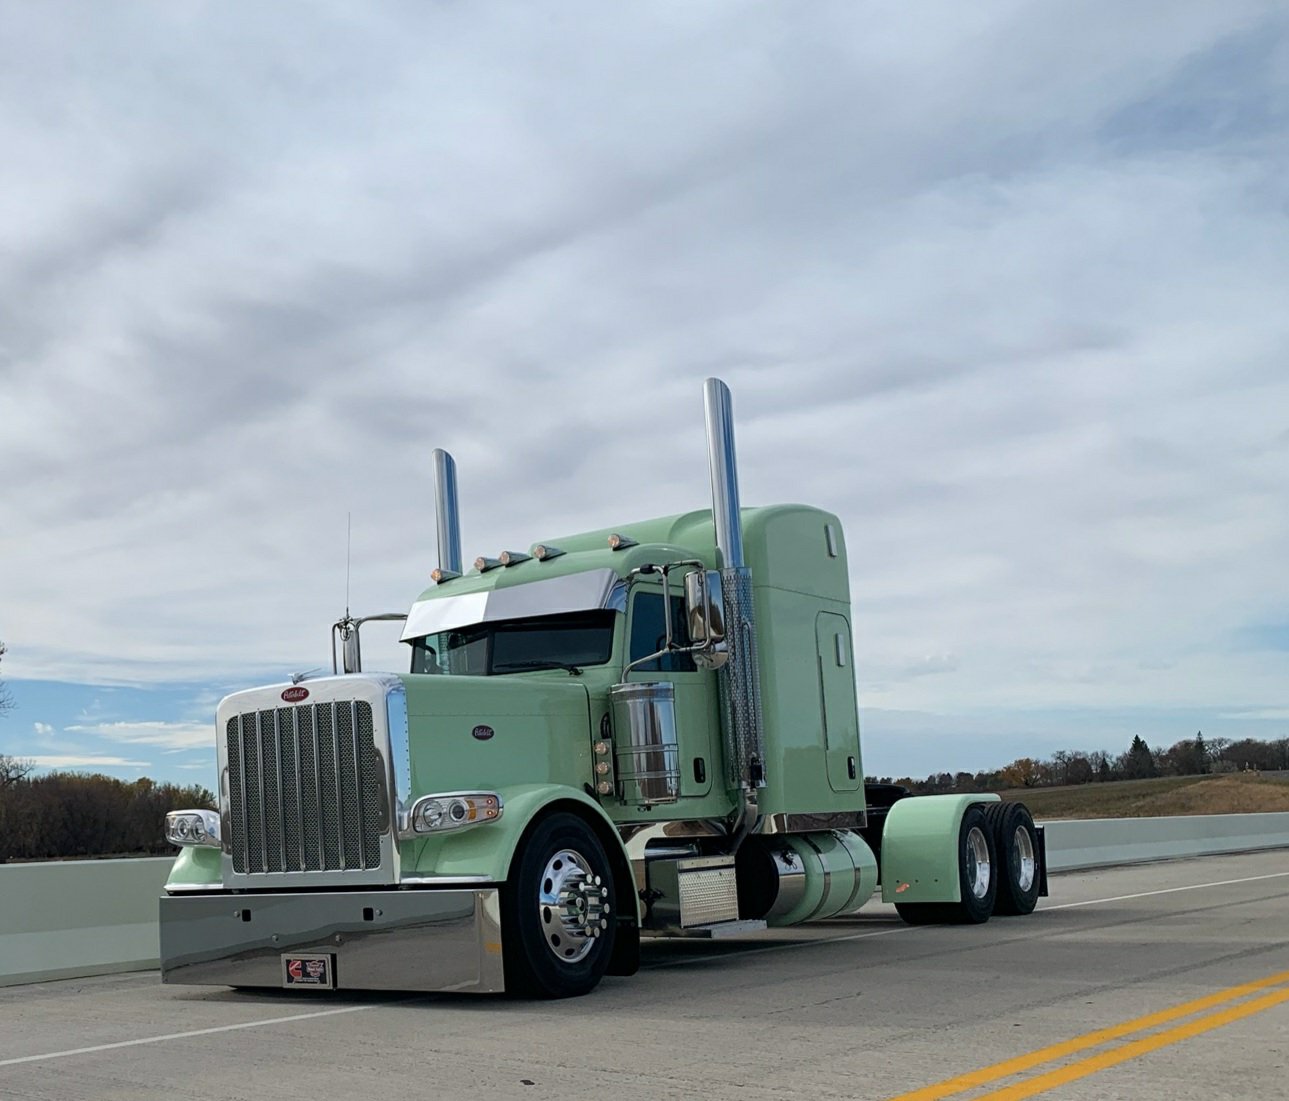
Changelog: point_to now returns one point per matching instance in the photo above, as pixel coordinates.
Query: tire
(977, 881)
(558, 911)
(1016, 842)
(922, 913)
(977, 863)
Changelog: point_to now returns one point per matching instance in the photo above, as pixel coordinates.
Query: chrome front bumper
(378, 940)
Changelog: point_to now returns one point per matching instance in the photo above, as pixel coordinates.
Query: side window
(649, 633)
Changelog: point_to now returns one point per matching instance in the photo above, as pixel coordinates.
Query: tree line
(73, 814)
(1195, 756)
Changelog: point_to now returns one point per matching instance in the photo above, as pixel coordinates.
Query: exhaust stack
(739, 677)
(447, 515)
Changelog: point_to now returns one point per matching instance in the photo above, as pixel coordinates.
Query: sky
(1003, 285)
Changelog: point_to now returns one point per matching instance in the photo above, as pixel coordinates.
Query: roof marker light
(483, 565)
(544, 553)
(440, 575)
(620, 542)
(513, 558)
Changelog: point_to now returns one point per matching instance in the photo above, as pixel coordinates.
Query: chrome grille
(305, 789)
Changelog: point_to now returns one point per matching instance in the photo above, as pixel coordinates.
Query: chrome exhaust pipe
(718, 406)
(447, 515)
(739, 676)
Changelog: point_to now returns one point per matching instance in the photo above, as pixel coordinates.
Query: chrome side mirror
(351, 651)
(705, 616)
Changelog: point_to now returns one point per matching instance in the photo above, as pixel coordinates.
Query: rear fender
(920, 847)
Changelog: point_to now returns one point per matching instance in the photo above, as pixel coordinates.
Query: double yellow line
(1224, 1014)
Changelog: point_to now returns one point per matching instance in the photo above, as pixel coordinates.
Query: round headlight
(458, 810)
(429, 816)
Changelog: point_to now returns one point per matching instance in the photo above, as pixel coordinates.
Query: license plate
(315, 971)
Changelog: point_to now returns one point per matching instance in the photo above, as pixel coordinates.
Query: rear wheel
(976, 866)
(977, 881)
(558, 923)
(1016, 842)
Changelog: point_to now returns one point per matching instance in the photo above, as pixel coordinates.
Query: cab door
(837, 701)
(697, 718)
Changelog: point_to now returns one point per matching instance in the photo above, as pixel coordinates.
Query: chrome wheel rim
(978, 870)
(1023, 863)
(572, 906)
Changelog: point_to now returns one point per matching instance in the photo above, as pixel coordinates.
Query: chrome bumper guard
(424, 940)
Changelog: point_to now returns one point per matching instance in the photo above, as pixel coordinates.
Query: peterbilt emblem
(482, 733)
(295, 694)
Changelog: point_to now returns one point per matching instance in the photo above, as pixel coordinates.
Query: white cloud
(999, 284)
(42, 730)
(85, 761)
(166, 735)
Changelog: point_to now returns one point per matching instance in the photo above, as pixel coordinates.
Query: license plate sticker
(315, 971)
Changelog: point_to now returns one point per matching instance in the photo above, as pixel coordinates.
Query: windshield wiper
(541, 663)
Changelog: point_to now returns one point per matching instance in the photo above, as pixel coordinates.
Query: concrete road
(1161, 981)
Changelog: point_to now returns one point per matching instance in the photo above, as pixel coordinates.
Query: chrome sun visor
(577, 592)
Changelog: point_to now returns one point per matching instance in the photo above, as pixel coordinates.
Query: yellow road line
(1124, 1052)
(987, 1075)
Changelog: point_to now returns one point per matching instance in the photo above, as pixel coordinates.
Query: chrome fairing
(289, 790)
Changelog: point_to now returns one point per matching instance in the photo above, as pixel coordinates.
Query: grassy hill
(1231, 793)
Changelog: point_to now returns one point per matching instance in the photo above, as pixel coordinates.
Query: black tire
(1016, 842)
(922, 913)
(553, 951)
(977, 879)
(978, 884)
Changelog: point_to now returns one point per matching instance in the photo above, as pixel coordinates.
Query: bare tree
(6, 700)
(13, 769)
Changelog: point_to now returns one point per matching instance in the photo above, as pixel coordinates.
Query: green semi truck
(649, 730)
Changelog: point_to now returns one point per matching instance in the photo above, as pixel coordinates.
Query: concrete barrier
(1101, 842)
(65, 919)
(62, 919)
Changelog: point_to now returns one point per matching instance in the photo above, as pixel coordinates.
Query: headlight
(454, 810)
(193, 827)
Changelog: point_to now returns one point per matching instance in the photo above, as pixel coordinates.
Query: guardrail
(67, 919)
(64, 919)
(1100, 842)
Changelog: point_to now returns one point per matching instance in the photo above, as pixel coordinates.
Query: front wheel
(557, 918)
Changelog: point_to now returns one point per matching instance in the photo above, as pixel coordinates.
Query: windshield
(567, 641)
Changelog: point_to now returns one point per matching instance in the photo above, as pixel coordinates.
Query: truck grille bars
(306, 789)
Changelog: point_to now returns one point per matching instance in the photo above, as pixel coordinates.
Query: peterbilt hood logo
(295, 694)
(482, 732)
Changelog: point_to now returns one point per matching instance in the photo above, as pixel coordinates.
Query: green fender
(195, 866)
(920, 847)
(488, 850)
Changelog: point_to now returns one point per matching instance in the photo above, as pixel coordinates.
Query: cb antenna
(349, 542)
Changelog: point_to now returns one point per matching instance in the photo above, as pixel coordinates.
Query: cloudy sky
(1004, 284)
